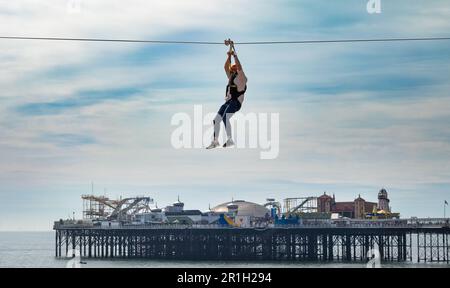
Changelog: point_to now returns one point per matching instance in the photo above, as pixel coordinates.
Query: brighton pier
(302, 229)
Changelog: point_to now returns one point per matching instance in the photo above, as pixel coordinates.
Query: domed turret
(383, 200)
(383, 194)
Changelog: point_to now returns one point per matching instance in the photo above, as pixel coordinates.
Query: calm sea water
(36, 249)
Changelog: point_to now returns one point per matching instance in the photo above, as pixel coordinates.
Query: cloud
(67, 140)
(82, 99)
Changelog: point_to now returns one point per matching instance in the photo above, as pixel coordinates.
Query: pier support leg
(348, 248)
(404, 247)
(330, 248)
(56, 243)
(90, 245)
(367, 246)
(381, 246)
(312, 247)
(73, 244)
(446, 247)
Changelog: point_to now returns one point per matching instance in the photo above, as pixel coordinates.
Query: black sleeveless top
(233, 87)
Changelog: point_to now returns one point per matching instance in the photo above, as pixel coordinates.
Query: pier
(418, 240)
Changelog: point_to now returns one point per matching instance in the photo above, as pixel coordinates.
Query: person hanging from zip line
(234, 97)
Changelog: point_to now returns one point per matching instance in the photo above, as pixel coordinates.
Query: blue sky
(353, 117)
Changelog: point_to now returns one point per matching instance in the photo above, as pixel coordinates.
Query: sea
(36, 250)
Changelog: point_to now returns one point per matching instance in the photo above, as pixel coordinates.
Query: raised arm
(228, 64)
(238, 63)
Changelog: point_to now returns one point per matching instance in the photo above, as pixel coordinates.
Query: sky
(354, 118)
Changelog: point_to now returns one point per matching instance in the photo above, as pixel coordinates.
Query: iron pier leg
(446, 245)
(56, 243)
(312, 247)
(418, 247)
(330, 247)
(425, 246)
(366, 246)
(325, 247)
(90, 245)
(73, 244)
(381, 246)
(404, 247)
(348, 248)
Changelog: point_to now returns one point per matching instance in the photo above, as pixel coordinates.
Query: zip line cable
(222, 43)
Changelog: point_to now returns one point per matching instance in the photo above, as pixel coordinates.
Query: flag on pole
(446, 203)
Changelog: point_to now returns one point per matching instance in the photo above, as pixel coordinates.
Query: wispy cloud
(67, 140)
(82, 99)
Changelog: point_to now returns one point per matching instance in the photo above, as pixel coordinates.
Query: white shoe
(229, 143)
(213, 144)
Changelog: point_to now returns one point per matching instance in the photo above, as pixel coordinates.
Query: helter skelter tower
(383, 200)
